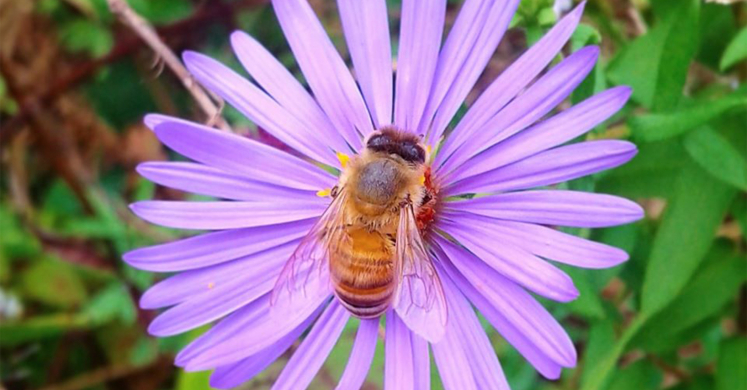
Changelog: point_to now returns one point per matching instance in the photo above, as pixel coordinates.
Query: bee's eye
(412, 152)
(379, 142)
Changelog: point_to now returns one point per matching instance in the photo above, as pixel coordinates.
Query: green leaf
(112, 303)
(605, 365)
(87, 35)
(717, 28)
(687, 229)
(588, 303)
(640, 375)
(655, 127)
(601, 336)
(698, 382)
(716, 284)
(656, 64)
(730, 367)
(15, 240)
(739, 211)
(54, 283)
(40, 327)
(162, 11)
(717, 156)
(585, 35)
(199, 380)
(652, 173)
(736, 51)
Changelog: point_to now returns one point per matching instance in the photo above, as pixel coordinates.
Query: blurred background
(75, 83)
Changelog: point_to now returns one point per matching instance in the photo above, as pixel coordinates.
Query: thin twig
(639, 26)
(148, 34)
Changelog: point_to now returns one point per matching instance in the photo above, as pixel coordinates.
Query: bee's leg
(334, 192)
(407, 201)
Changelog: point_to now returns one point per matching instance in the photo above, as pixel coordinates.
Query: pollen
(324, 193)
(422, 180)
(344, 158)
(211, 285)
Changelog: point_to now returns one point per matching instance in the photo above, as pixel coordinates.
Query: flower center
(429, 205)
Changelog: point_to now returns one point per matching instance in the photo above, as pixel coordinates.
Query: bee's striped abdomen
(363, 273)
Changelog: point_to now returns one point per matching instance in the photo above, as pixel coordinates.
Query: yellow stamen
(344, 158)
(429, 149)
(324, 193)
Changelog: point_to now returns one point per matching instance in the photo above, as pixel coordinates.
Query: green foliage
(712, 287)
(717, 156)
(54, 283)
(656, 64)
(87, 36)
(736, 51)
(731, 363)
(656, 127)
(640, 375)
(687, 229)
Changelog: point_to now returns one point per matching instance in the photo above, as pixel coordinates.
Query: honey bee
(370, 236)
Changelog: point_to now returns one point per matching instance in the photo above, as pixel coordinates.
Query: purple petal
(205, 180)
(477, 348)
(242, 156)
(153, 120)
(326, 73)
(236, 342)
(510, 309)
(218, 300)
(550, 167)
(512, 81)
(453, 365)
(190, 284)
(313, 351)
(555, 131)
(510, 260)
(399, 372)
(421, 362)
(470, 45)
(274, 78)
(554, 207)
(514, 335)
(225, 215)
(216, 247)
(234, 325)
(420, 34)
(258, 106)
(366, 26)
(546, 242)
(529, 107)
(361, 356)
(235, 374)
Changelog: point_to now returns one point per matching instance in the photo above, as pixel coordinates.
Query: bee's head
(405, 145)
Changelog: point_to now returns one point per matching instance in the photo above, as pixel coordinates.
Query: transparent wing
(307, 267)
(420, 298)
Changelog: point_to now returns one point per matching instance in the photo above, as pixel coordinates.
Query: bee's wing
(420, 300)
(312, 255)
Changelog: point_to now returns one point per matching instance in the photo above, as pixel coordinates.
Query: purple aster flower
(484, 225)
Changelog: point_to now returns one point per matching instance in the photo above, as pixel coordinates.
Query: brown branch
(148, 34)
(55, 144)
